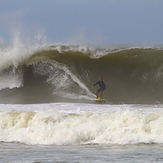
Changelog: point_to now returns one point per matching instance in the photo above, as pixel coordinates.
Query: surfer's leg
(98, 91)
(97, 94)
(101, 93)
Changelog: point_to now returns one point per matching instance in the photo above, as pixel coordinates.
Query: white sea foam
(63, 124)
(11, 81)
(12, 56)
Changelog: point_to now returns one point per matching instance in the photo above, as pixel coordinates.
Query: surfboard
(96, 99)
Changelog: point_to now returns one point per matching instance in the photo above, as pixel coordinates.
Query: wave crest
(132, 74)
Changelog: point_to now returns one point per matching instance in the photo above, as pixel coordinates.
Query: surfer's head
(100, 78)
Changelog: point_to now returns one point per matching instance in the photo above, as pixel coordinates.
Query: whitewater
(47, 111)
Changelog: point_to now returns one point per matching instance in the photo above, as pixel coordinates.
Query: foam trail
(61, 78)
(74, 78)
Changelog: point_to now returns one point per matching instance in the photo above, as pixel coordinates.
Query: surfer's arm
(94, 85)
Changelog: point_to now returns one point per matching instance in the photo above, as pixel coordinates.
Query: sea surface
(47, 111)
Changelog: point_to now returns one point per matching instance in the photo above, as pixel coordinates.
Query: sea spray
(12, 60)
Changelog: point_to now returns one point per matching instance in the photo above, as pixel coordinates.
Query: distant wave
(133, 74)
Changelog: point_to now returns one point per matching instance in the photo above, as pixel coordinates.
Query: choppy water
(20, 153)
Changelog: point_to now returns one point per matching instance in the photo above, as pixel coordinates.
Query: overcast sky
(82, 21)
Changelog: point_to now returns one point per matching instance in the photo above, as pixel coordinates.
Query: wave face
(39, 74)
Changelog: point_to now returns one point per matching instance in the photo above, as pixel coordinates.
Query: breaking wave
(35, 74)
(62, 127)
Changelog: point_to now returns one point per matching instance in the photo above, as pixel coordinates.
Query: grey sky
(82, 21)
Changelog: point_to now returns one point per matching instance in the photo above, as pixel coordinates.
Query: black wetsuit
(102, 86)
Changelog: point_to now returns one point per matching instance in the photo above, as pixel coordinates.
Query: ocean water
(77, 132)
(47, 111)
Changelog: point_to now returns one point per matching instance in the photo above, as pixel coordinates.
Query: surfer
(102, 87)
